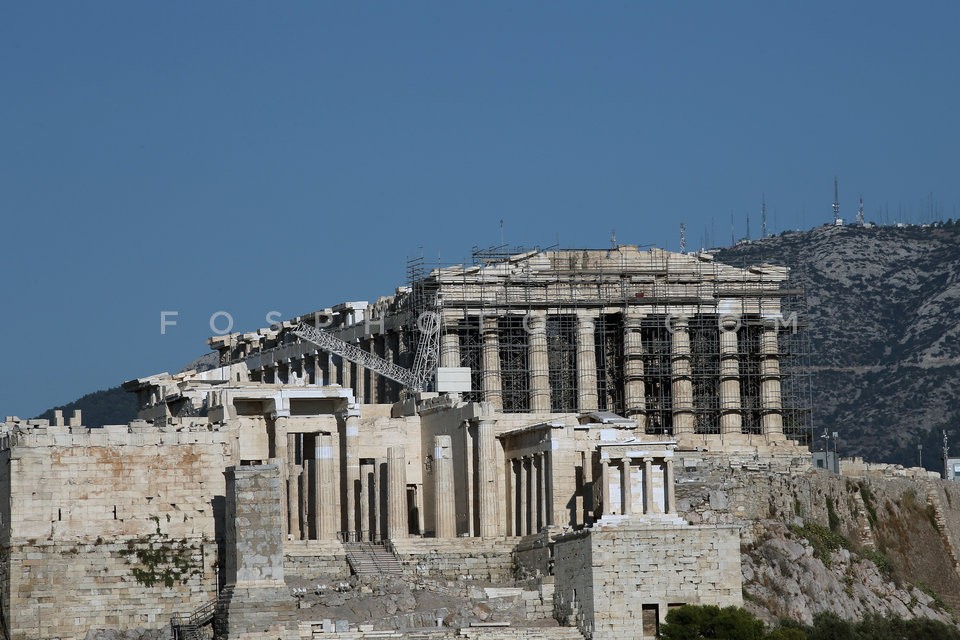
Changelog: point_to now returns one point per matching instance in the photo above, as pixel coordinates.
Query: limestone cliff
(814, 541)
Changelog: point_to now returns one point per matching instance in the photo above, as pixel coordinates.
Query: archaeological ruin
(529, 414)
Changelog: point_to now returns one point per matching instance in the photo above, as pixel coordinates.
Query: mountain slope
(883, 310)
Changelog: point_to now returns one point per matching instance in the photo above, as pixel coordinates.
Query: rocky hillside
(883, 310)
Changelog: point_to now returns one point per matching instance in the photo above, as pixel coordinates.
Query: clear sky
(250, 157)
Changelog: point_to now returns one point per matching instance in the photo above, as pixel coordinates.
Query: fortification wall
(116, 526)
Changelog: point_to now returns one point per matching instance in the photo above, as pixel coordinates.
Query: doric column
(626, 488)
(280, 453)
(649, 506)
(731, 419)
(397, 526)
(586, 363)
(515, 526)
(450, 348)
(524, 495)
(603, 488)
(313, 473)
(681, 381)
(345, 375)
(771, 402)
(326, 510)
(487, 478)
(375, 379)
(539, 497)
(491, 378)
(634, 393)
(538, 362)
(366, 471)
(293, 487)
(351, 493)
(360, 382)
(671, 501)
(445, 511)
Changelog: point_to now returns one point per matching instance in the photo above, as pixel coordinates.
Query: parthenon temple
(563, 393)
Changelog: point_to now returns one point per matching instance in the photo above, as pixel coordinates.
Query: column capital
(537, 321)
(729, 323)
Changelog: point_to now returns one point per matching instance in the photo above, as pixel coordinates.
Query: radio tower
(836, 201)
(683, 238)
(763, 216)
(860, 212)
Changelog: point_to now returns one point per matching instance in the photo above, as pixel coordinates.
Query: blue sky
(251, 157)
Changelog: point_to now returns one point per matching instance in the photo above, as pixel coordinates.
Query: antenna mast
(763, 216)
(836, 201)
(683, 238)
(860, 212)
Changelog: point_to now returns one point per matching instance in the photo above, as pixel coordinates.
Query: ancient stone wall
(482, 559)
(616, 583)
(115, 526)
(307, 559)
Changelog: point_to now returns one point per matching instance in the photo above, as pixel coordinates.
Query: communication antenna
(946, 456)
(836, 201)
(860, 212)
(683, 238)
(763, 216)
(613, 238)
(733, 237)
(748, 226)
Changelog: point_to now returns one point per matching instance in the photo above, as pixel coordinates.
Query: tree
(691, 622)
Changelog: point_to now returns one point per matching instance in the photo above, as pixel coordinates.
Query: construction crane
(425, 362)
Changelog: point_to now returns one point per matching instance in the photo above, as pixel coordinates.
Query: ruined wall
(310, 559)
(481, 559)
(115, 526)
(616, 583)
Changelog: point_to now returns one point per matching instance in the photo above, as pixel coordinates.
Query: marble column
(450, 348)
(586, 363)
(731, 419)
(771, 402)
(326, 510)
(681, 386)
(375, 379)
(312, 466)
(634, 393)
(293, 487)
(626, 486)
(351, 478)
(649, 506)
(367, 469)
(445, 511)
(397, 527)
(487, 478)
(346, 379)
(669, 489)
(538, 362)
(491, 378)
(603, 488)
(538, 493)
(280, 453)
(524, 496)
